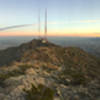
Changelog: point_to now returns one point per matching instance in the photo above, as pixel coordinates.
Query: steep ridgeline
(10, 55)
(67, 73)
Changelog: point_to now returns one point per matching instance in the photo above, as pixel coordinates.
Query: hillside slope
(70, 73)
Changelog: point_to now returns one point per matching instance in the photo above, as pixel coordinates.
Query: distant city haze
(91, 45)
(77, 18)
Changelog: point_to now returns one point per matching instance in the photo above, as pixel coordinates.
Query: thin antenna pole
(45, 23)
(39, 28)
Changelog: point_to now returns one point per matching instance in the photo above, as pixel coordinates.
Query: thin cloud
(89, 21)
(74, 22)
(57, 23)
(14, 27)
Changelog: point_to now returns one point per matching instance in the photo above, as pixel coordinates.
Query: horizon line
(51, 36)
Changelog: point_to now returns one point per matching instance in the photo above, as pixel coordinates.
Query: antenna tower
(39, 28)
(44, 39)
(45, 34)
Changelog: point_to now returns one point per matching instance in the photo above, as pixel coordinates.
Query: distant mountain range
(90, 45)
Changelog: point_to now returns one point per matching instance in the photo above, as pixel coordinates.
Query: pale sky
(65, 17)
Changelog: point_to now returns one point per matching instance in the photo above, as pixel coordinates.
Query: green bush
(40, 93)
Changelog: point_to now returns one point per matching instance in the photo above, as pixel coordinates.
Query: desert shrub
(79, 78)
(10, 74)
(39, 93)
(46, 68)
(2, 78)
(14, 73)
(7, 75)
(24, 67)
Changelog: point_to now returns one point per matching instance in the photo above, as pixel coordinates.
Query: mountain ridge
(68, 71)
(15, 53)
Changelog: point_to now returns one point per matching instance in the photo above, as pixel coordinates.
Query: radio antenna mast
(39, 28)
(45, 34)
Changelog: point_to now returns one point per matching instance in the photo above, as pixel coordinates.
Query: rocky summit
(45, 71)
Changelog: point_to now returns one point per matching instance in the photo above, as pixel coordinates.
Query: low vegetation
(7, 75)
(39, 93)
(79, 78)
(76, 77)
(24, 67)
(14, 73)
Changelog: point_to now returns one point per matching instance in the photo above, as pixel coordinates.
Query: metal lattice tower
(45, 26)
(45, 34)
(39, 28)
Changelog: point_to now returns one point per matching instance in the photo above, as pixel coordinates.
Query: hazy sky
(65, 17)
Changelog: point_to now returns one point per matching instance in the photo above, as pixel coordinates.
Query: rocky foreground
(38, 71)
